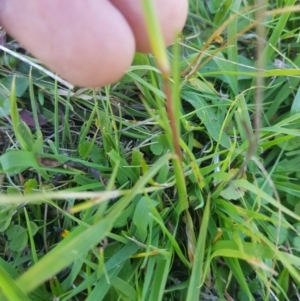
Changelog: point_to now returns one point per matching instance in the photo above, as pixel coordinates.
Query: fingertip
(88, 43)
(171, 14)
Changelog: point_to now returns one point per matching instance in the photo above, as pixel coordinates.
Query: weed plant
(179, 182)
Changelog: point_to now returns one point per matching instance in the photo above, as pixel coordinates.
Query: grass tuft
(179, 182)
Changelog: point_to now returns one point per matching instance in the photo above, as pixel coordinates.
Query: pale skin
(88, 42)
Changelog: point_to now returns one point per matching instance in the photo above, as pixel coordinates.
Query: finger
(172, 15)
(89, 43)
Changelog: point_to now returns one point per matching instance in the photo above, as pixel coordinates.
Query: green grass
(181, 189)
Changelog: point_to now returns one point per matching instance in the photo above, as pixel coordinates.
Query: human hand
(89, 43)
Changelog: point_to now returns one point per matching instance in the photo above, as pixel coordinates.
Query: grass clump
(97, 203)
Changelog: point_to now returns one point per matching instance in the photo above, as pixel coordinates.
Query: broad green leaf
(207, 115)
(202, 86)
(275, 235)
(21, 84)
(296, 242)
(6, 214)
(124, 216)
(159, 145)
(136, 160)
(97, 155)
(34, 228)
(5, 107)
(125, 171)
(30, 186)
(18, 237)
(124, 288)
(284, 282)
(232, 192)
(141, 219)
(15, 161)
(7, 211)
(83, 148)
(38, 142)
(224, 64)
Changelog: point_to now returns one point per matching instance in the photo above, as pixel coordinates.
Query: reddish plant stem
(171, 115)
